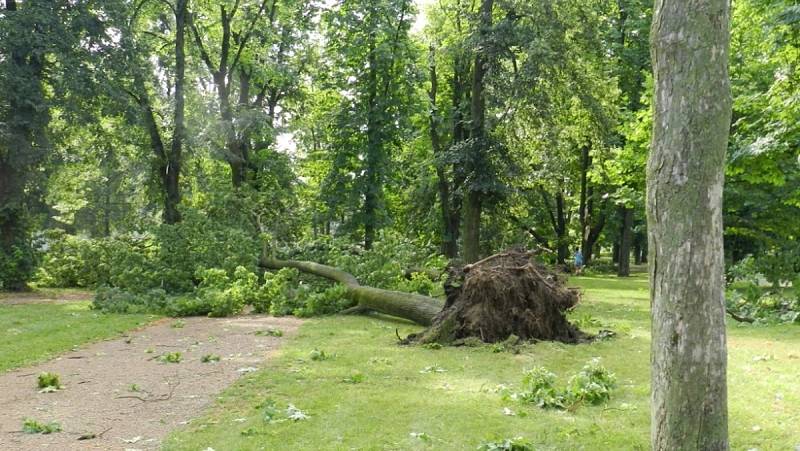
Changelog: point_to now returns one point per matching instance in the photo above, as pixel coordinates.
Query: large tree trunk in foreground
(414, 307)
(684, 211)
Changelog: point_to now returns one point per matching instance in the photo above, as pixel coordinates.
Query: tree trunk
(449, 243)
(23, 143)
(639, 247)
(414, 307)
(472, 227)
(624, 267)
(586, 204)
(474, 200)
(171, 175)
(561, 230)
(685, 177)
(374, 149)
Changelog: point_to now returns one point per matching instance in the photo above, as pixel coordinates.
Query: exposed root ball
(503, 295)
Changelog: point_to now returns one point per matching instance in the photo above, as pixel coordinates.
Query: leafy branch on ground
(592, 385)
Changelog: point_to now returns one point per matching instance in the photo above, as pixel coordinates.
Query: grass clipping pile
(500, 296)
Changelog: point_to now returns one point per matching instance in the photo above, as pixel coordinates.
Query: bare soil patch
(121, 392)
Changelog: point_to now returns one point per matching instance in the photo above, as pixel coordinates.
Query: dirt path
(99, 396)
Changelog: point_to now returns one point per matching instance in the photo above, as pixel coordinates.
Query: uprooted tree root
(503, 295)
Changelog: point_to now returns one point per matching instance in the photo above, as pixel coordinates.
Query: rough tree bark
(689, 45)
(414, 307)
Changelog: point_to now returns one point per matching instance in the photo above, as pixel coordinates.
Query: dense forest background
(158, 146)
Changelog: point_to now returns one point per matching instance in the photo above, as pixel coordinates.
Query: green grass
(396, 406)
(31, 333)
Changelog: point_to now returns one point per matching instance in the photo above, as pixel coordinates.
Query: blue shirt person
(578, 261)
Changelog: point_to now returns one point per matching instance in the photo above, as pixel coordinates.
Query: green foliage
(355, 378)
(170, 357)
(31, 426)
(17, 264)
(48, 381)
(274, 290)
(592, 385)
(747, 298)
(383, 266)
(210, 358)
(318, 355)
(168, 257)
(538, 387)
(327, 302)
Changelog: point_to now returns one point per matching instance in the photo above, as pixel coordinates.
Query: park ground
(343, 382)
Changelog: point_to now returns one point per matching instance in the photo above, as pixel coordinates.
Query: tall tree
(24, 141)
(685, 177)
(52, 55)
(473, 202)
(374, 99)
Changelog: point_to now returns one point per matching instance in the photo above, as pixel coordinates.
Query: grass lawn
(372, 394)
(30, 333)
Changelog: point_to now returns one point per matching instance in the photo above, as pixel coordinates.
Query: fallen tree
(414, 307)
(508, 294)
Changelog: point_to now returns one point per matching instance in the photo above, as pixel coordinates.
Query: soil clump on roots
(500, 296)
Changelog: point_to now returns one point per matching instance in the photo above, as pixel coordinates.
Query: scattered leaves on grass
(507, 444)
(355, 378)
(30, 426)
(271, 413)
(433, 346)
(318, 355)
(433, 369)
(425, 437)
(295, 414)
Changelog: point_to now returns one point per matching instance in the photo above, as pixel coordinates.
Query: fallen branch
(415, 307)
(741, 319)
